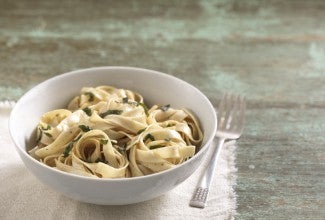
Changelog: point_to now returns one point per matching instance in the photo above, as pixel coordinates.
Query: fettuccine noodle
(107, 132)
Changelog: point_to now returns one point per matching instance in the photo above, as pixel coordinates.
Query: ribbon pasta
(107, 132)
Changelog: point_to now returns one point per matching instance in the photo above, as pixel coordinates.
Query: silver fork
(231, 117)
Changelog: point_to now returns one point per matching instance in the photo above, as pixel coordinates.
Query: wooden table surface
(273, 52)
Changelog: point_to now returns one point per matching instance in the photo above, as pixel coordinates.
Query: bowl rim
(124, 179)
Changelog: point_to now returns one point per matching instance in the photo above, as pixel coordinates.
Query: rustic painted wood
(273, 52)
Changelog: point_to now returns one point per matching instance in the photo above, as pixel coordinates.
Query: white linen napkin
(22, 196)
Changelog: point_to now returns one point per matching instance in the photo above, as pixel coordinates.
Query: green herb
(87, 111)
(144, 107)
(169, 125)
(90, 95)
(48, 134)
(125, 100)
(164, 108)
(84, 128)
(68, 149)
(47, 128)
(156, 146)
(167, 139)
(149, 136)
(141, 130)
(111, 112)
(103, 141)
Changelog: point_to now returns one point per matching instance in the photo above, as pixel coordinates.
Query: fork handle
(200, 195)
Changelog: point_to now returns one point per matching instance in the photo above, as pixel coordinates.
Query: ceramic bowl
(155, 87)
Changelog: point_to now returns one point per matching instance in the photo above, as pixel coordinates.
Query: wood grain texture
(273, 52)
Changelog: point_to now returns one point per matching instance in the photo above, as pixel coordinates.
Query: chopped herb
(90, 95)
(149, 136)
(47, 128)
(68, 149)
(144, 107)
(84, 128)
(164, 108)
(169, 125)
(103, 141)
(111, 112)
(87, 111)
(125, 100)
(48, 134)
(156, 146)
(141, 130)
(167, 139)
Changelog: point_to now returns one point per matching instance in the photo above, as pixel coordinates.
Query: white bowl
(155, 87)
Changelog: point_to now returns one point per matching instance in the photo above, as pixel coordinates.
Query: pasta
(107, 132)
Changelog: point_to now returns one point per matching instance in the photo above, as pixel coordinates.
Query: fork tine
(228, 110)
(222, 110)
(222, 104)
(222, 113)
(230, 116)
(233, 113)
(241, 114)
(238, 114)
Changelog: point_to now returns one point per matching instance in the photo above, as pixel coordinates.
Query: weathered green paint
(273, 52)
